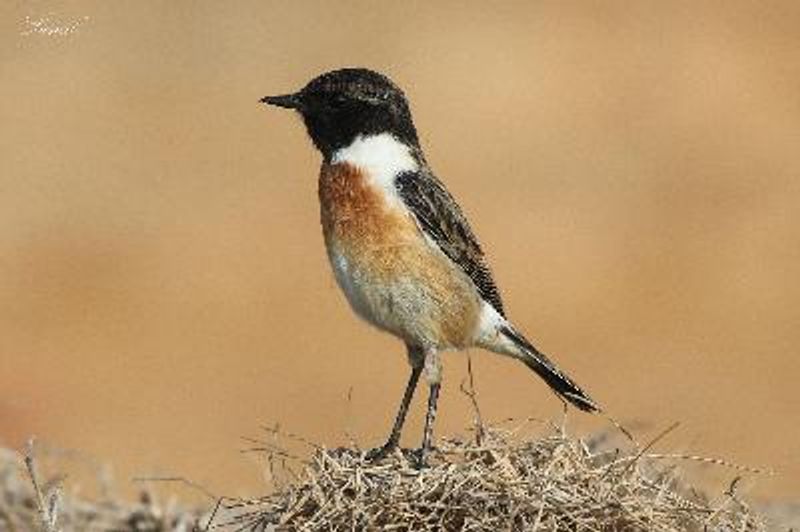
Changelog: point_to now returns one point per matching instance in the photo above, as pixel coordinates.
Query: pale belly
(410, 291)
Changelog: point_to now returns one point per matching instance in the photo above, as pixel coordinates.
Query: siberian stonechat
(401, 249)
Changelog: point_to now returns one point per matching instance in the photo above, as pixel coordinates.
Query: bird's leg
(433, 373)
(430, 417)
(394, 436)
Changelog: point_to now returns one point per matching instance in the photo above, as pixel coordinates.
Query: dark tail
(558, 381)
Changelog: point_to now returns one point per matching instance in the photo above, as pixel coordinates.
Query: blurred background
(631, 168)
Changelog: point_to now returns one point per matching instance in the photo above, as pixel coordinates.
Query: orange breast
(391, 274)
(356, 214)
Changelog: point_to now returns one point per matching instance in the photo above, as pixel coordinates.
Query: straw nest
(492, 480)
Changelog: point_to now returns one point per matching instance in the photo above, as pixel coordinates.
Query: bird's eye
(338, 100)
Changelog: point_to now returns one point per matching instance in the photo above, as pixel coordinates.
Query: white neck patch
(382, 157)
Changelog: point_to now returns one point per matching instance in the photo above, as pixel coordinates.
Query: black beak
(288, 101)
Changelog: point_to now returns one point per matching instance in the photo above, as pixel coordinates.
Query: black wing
(440, 217)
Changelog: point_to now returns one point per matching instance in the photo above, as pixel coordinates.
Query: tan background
(631, 167)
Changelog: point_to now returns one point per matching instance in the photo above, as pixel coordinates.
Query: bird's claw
(419, 458)
(379, 453)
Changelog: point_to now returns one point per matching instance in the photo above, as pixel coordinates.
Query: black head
(340, 105)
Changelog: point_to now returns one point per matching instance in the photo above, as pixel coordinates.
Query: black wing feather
(440, 217)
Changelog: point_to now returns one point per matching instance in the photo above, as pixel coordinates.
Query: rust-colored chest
(356, 213)
(389, 272)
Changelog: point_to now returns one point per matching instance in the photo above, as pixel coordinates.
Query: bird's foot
(419, 458)
(379, 453)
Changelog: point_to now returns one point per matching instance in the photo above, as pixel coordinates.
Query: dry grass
(31, 501)
(493, 480)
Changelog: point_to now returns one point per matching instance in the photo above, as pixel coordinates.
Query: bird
(400, 247)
